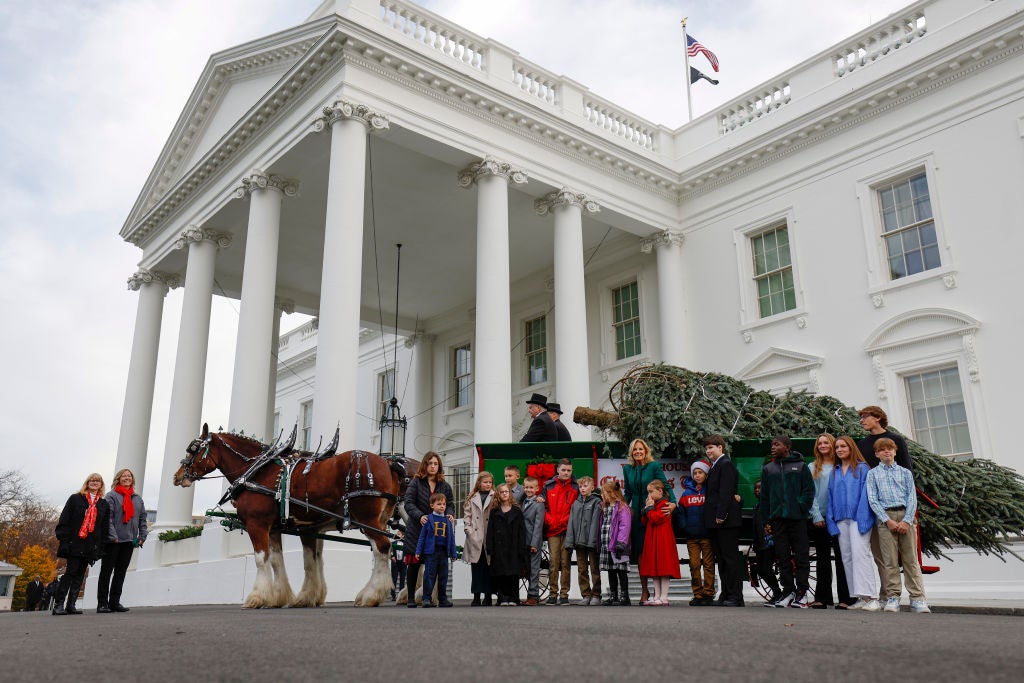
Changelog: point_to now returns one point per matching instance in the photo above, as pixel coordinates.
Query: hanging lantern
(392, 431)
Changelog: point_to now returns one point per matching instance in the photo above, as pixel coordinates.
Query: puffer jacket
(558, 496)
(787, 489)
(692, 504)
(584, 530)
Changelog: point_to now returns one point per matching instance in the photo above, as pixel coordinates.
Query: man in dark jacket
(555, 413)
(33, 594)
(542, 428)
(722, 518)
(787, 491)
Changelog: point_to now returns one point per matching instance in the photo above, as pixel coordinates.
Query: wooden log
(594, 418)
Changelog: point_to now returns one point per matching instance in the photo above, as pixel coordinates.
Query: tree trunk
(595, 418)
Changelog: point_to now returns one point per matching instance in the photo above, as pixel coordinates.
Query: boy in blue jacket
(436, 544)
(698, 545)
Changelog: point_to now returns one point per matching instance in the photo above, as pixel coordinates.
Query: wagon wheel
(758, 584)
(542, 582)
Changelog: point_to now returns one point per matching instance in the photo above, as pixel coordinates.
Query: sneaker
(532, 602)
(584, 602)
(427, 603)
(552, 600)
(872, 606)
(892, 604)
(770, 602)
(695, 601)
(563, 601)
(784, 600)
(445, 604)
(800, 601)
(857, 604)
(919, 606)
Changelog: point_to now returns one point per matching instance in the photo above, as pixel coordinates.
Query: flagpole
(686, 61)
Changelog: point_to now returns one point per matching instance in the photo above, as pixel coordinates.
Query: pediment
(232, 83)
(918, 326)
(776, 361)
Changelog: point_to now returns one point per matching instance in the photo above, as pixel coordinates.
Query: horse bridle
(193, 450)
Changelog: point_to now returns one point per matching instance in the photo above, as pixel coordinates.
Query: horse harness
(359, 472)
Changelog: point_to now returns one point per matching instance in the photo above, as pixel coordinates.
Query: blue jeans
(436, 570)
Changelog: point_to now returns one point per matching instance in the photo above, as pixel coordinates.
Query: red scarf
(89, 523)
(126, 504)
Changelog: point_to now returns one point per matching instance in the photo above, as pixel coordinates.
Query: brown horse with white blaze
(356, 484)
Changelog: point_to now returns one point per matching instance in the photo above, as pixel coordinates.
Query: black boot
(73, 597)
(487, 600)
(624, 600)
(612, 600)
(60, 596)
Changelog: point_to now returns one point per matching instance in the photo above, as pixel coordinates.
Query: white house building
(850, 227)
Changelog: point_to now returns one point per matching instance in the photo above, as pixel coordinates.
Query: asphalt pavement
(340, 642)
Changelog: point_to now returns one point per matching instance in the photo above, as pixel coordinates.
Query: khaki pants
(893, 547)
(558, 563)
(586, 567)
(699, 550)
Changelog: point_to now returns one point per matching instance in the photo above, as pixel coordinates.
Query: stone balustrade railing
(882, 41)
(754, 106)
(435, 33)
(535, 81)
(629, 127)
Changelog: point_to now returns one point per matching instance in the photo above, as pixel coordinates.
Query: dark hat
(554, 408)
(539, 399)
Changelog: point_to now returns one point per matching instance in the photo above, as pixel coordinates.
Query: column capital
(489, 166)
(419, 337)
(565, 197)
(665, 238)
(284, 305)
(348, 111)
(194, 233)
(260, 180)
(144, 276)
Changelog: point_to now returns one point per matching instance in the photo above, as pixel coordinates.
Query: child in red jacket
(659, 558)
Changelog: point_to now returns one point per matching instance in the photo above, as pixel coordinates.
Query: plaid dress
(606, 563)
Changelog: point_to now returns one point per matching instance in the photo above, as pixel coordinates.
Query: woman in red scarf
(127, 530)
(81, 530)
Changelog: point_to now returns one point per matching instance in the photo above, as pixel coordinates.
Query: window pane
(889, 219)
(961, 439)
(759, 268)
(915, 262)
(942, 443)
(927, 232)
(911, 240)
(931, 257)
(897, 269)
(895, 245)
(771, 260)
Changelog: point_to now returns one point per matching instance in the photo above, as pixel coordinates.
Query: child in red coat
(660, 558)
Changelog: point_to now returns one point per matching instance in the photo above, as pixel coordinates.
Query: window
(462, 369)
(385, 390)
(908, 226)
(938, 412)
(306, 417)
(461, 481)
(626, 320)
(536, 351)
(773, 271)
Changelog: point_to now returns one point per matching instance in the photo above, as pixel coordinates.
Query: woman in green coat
(641, 471)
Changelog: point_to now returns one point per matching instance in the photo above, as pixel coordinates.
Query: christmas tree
(980, 503)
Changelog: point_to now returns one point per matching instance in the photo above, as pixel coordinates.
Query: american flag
(693, 47)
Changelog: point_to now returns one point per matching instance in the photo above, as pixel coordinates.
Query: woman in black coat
(428, 480)
(506, 544)
(81, 531)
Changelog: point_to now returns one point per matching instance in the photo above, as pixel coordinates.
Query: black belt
(894, 509)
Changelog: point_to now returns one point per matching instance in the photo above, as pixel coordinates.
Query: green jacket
(787, 489)
(635, 479)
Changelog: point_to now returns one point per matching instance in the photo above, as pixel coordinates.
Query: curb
(980, 609)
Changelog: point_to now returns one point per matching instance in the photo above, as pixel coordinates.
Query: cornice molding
(342, 110)
(490, 166)
(842, 114)
(260, 180)
(194, 233)
(144, 276)
(565, 197)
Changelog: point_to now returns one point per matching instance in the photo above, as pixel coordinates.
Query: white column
(492, 353)
(337, 353)
(419, 410)
(572, 375)
(280, 306)
(675, 345)
(250, 384)
(174, 507)
(133, 443)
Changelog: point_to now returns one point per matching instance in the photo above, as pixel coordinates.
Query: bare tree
(25, 519)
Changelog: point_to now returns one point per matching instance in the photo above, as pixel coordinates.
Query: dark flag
(697, 75)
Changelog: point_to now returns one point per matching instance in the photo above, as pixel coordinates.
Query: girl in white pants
(850, 517)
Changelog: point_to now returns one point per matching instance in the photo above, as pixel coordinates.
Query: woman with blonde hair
(128, 531)
(640, 471)
(80, 532)
(824, 543)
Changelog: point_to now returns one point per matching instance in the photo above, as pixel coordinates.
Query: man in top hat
(543, 427)
(555, 412)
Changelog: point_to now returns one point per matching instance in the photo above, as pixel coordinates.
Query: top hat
(554, 408)
(539, 399)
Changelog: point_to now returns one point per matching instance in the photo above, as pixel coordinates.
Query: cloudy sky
(89, 91)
